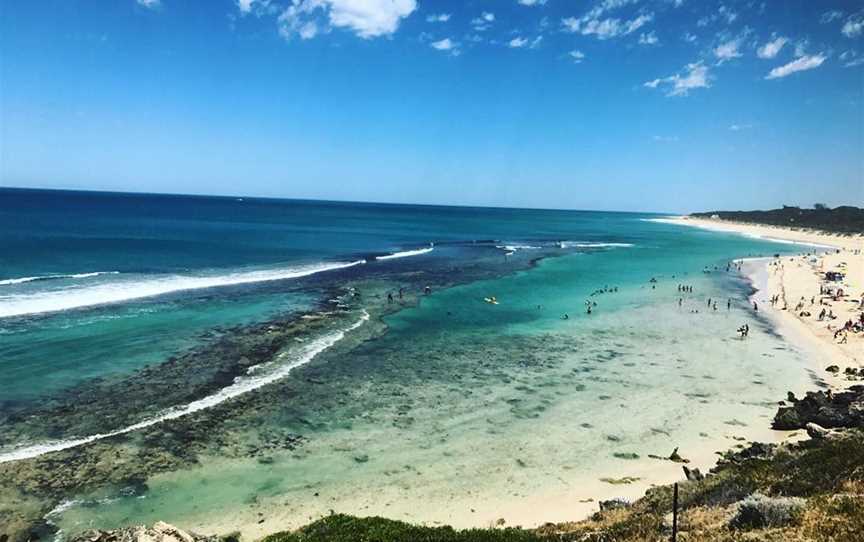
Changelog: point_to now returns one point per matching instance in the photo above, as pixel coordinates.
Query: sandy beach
(802, 290)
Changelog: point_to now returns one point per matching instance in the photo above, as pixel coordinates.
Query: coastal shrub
(836, 518)
(759, 511)
(343, 528)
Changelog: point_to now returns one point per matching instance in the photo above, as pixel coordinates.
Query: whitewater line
(575, 244)
(240, 386)
(115, 292)
(22, 280)
(406, 253)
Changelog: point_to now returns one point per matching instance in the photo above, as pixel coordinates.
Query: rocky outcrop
(159, 532)
(827, 409)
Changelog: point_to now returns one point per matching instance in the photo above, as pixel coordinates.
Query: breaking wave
(125, 290)
(240, 386)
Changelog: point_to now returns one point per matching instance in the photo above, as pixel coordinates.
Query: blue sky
(611, 104)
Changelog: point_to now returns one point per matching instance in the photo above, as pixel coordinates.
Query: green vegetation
(342, 528)
(844, 220)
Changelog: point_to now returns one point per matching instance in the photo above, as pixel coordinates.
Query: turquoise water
(448, 410)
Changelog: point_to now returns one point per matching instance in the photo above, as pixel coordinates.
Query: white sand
(798, 280)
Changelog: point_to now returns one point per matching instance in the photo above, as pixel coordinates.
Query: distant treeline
(845, 219)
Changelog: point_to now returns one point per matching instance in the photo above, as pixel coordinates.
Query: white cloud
(605, 28)
(438, 18)
(366, 18)
(483, 22)
(594, 22)
(689, 38)
(150, 4)
(532, 2)
(739, 127)
(638, 22)
(728, 50)
(727, 14)
(831, 15)
(665, 139)
(770, 49)
(257, 7)
(517, 42)
(693, 76)
(444, 45)
(724, 14)
(851, 59)
(807, 62)
(649, 39)
(577, 56)
(853, 26)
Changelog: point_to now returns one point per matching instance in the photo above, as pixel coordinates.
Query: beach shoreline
(797, 280)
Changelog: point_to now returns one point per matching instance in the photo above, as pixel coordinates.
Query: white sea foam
(514, 248)
(241, 385)
(573, 244)
(22, 280)
(406, 253)
(125, 290)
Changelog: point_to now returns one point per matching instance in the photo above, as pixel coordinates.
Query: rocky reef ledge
(809, 490)
(159, 532)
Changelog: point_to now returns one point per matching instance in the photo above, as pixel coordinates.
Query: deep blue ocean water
(96, 283)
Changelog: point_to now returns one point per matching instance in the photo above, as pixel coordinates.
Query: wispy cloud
(806, 62)
(665, 139)
(693, 76)
(484, 21)
(606, 28)
(854, 25)
(367, 19)
(517, 42)
(150, 4)
(772, 48)
(445, 45)
(438, 18)
(728, 50)
(851, 59)
(595, 23)
(577, 56)
(648, 39)
(532, 2)
(740, 127)
(831, 15)
(724, 14)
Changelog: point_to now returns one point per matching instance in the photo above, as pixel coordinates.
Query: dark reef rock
(159, 532)
(827, 409)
